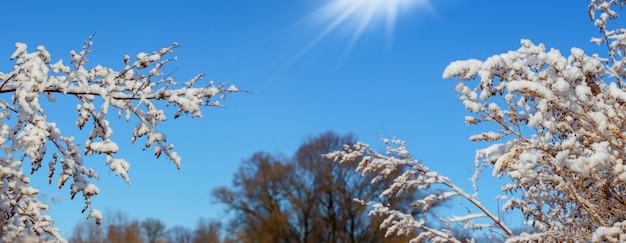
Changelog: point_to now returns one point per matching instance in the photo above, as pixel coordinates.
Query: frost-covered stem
(439, 233)
(601, 23)
(586, 206)
(584, 203)
(506, 126)
(477, 204)
(607, 43)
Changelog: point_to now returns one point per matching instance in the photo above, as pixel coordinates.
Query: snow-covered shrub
(561, 139)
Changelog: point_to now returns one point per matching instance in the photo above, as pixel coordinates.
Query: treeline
(275, 198)
(119, 228)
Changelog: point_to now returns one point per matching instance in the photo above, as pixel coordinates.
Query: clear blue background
(378, 87)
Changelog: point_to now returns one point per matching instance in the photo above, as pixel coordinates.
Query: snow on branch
(560, 137)
(561, 130)
(414, 176)
(138, 91)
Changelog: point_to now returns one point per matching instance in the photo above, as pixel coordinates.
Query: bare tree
(180, 234)
(153, 229)
(207, 231)
(122, 229)
(259, 199)
(88, 231)
(304, 199)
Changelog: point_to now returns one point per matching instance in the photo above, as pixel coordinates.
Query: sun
(358, 15)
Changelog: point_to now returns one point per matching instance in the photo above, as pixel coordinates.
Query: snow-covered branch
(560, 137)
(414, 176)
(138, 91)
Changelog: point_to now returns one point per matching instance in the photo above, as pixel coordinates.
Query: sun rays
(357, 16)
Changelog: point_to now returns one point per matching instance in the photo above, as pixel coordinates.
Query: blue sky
(299, 87)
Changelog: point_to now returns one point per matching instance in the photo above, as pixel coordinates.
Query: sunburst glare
(358, 15)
